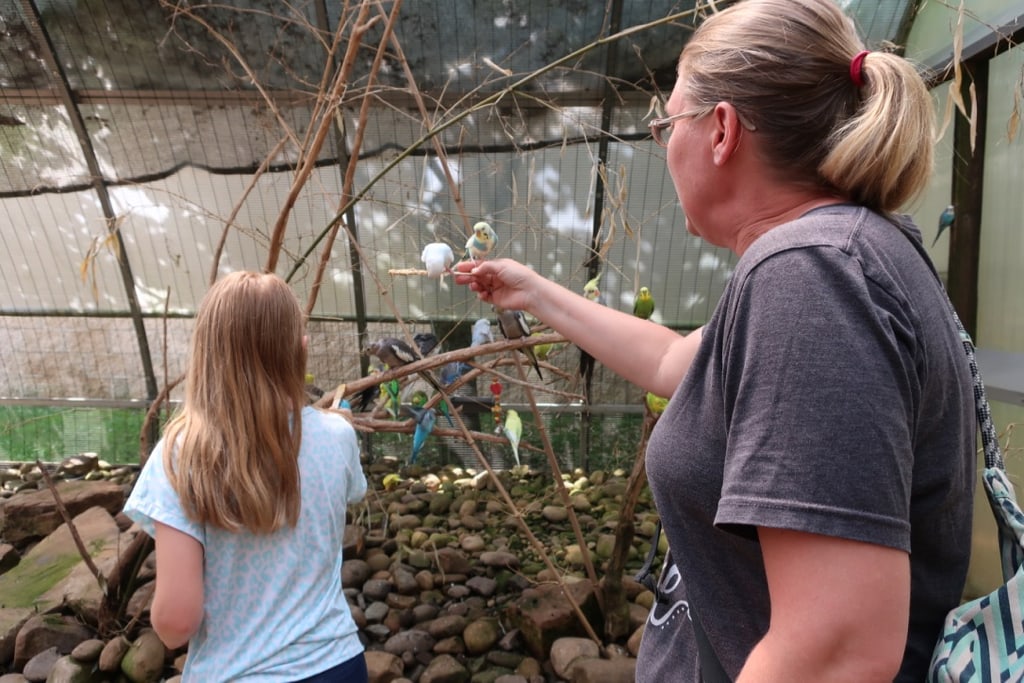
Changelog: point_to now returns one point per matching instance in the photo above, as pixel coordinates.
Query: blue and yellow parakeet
(945, 222)
(512, 427)
(643, 305)
(437, 257)
(425, 421)
(481, 242)
(513, 325)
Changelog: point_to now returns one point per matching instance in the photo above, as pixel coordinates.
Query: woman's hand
(502, 282)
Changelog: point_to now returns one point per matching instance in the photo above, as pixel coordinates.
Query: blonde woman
(814, 468)
(246, 495)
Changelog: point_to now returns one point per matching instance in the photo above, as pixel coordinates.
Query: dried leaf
(974, 116)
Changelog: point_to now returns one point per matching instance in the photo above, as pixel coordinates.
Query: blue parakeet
(425, 421)
(513, 430)
(482, 333)
(513, 325)
(451, 372)
(481, 242)
(945, 222)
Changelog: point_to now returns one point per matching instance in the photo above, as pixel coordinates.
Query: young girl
(245, 496)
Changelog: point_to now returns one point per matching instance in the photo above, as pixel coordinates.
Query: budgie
(451, 372)
(945, 222)
(482, 332)
(425, 342)
(481, 242)
(513, 325)
(513, 430)
(656, 404)
(437, 257)
(643, 305)
(390, 391)
(425, 421)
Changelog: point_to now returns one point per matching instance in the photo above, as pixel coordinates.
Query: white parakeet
(437, 257)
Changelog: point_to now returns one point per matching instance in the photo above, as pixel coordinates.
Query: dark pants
(351, 671)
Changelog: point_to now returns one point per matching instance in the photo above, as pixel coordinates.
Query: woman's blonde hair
(232, 450)
(786, 65)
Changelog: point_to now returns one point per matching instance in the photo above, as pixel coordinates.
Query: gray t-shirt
(831, 394)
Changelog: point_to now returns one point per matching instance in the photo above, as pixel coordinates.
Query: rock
(376, 589)
(482, 585)
(383, 667)
(354, 573)
(78, 465)
(34, 515)
(13, 678)
(352, 542)
(11, 621)
(38, 668)
(511, 678)
(67, 670)
(447, 626)
(452, 561)
(45, 631)
(499, 559)
(412, 641)
(144, 661)
(55, 558)
(555, 513)
(472, 543)
(543, 614)
(113, 653)
(445, 669)
(481, 635)
(633, 644)
(604, 671)
(566, 651)
(88, 651)
(375, 612)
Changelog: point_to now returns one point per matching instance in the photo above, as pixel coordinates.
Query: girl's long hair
(231, 452)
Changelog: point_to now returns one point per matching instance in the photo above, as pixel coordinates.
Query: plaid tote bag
(983, 640)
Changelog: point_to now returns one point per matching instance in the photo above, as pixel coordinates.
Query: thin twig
(86, 557)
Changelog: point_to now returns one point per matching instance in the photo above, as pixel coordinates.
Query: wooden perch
(426, 364)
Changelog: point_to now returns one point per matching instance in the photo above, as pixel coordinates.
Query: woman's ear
(728, 132)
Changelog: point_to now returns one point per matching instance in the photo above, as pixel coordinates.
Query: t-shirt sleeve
(153, 499)
(819, 402)
(356, 478)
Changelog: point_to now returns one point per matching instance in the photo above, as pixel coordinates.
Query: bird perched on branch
(513, 430)
(425, 421)
(481, 242)
(656, 404)
(437, 257)
(482, 333)
(643, 305)
(425, 342)
(451, 372)
(395, 353)
(513, 325)
(945, 222)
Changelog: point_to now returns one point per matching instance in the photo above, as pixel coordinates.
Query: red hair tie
(857, 68)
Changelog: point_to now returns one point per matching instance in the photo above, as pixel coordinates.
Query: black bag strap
(711, 669)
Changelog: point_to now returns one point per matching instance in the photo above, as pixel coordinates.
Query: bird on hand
(945, 222)
(425, 421)
(481, 242)
(513, 325)
(513, 430)
(643, 305)
(438, 258)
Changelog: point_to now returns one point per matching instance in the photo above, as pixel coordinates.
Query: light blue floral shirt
(274, 609)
